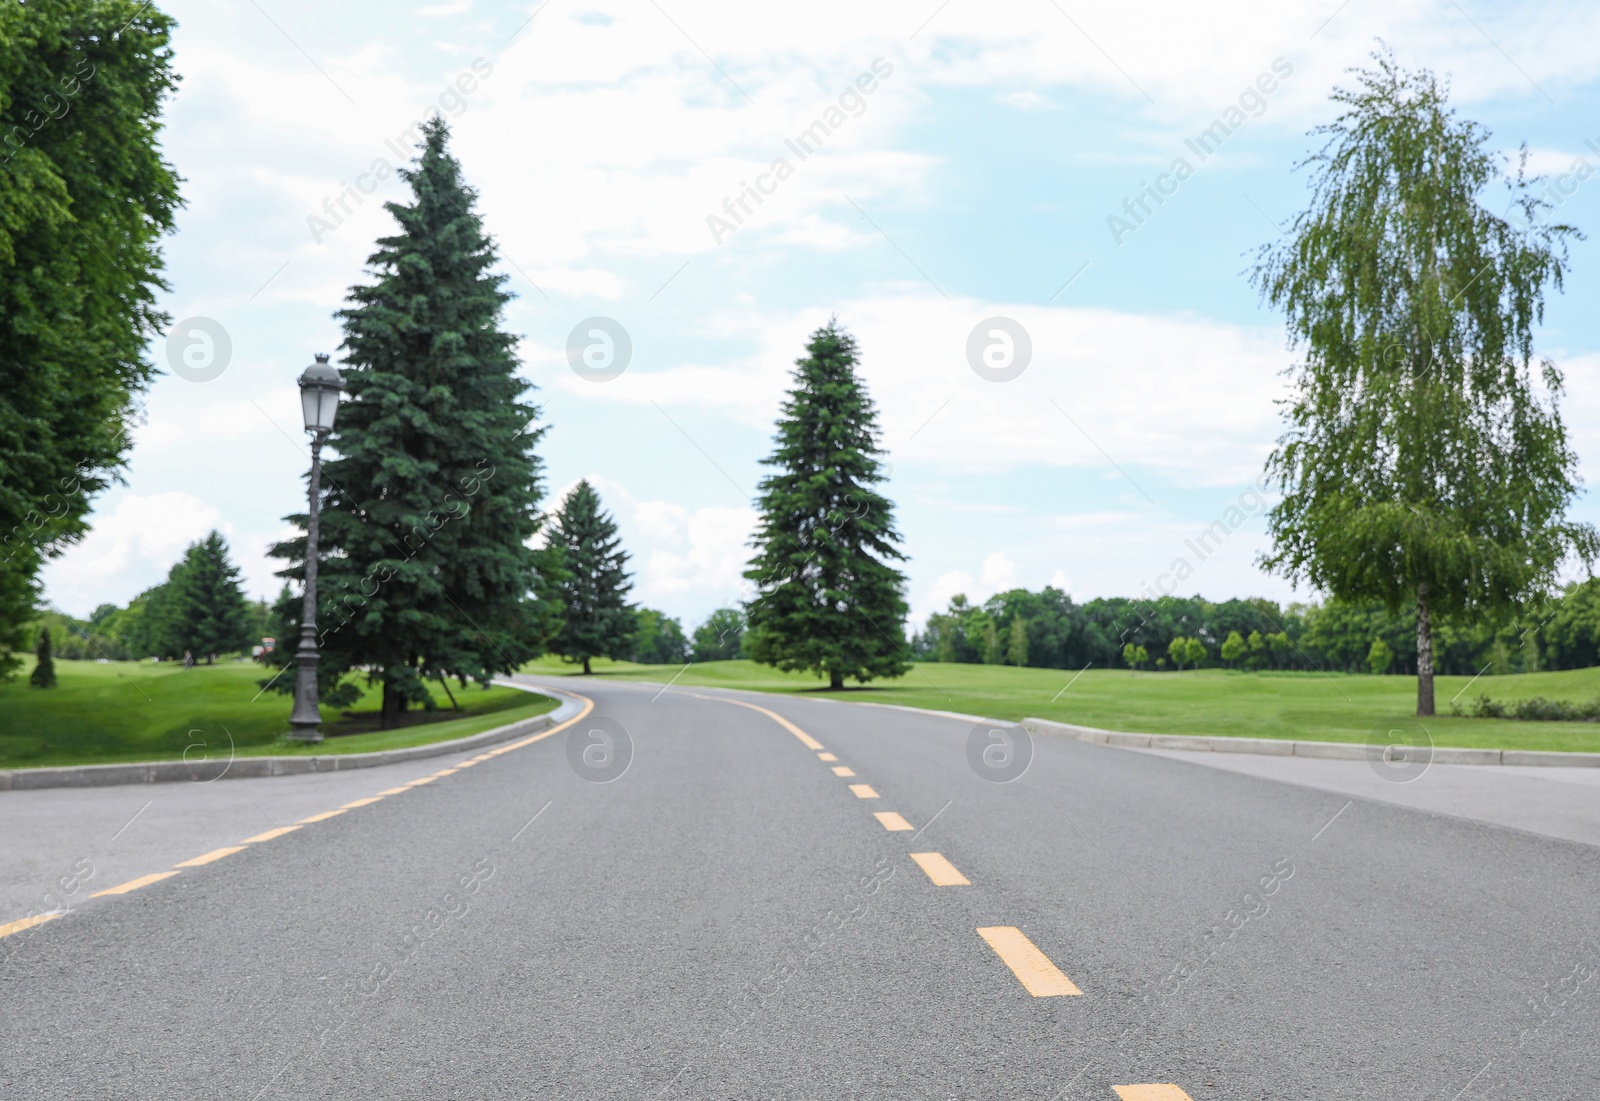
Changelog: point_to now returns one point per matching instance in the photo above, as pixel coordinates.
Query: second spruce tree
(827, 600)
(596, 619)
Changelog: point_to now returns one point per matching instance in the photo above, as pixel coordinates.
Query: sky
(951, 181)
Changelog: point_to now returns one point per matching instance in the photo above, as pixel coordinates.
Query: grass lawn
(1309, 706)
(148, 711)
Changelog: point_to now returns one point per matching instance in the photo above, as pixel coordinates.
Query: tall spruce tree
(596, 620)
(426, 570)
(1425, 462)
(827, 599)
(209, 611)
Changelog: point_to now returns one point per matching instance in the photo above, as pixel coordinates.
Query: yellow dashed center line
(891, 820)
(395, 791)
(419, 783)
(863, 791)
(841, 770)
(826, 757)
(1033, 968)
(941, 871)
(323, 817)
(1152, 1091)
(361, 803)
(206, 858)
(446, 771)
(269, 835)
(25, 923)
(134, 884)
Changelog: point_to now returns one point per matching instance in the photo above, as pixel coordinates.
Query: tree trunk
(586, 670)
(1424, 653)
(835, 681)
(390, 715)
(445, 684)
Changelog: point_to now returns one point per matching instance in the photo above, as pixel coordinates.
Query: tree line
(1049, 630)
(200, 610)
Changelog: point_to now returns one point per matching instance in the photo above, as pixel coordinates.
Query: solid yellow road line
(1152, 1091)
(25, 923)
(588, 706)
(214, 854)
(270, 834)
(807, 740)
(841, 770)
(941, 871)
(135, 884)
(863, 791)
(891, 820)
(826, 757)
(1033, 969)
(218, 854)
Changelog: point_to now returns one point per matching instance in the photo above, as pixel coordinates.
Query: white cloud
(170, 424)
(998, 575)
(1103, 387)
(129, 549)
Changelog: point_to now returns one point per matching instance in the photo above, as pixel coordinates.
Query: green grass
(145, 711)
(1309, 706)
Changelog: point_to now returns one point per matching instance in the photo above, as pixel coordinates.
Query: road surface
(709, 901)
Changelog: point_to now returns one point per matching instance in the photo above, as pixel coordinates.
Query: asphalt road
(728, 918)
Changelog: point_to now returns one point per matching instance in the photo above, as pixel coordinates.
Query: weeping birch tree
(1424, 462)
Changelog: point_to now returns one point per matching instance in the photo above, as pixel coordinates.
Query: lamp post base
(305, 732)
(305, 721)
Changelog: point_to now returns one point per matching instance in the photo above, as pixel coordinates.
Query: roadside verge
(200, 772)
(1347, 751)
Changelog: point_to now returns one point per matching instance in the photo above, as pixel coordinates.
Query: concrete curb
(1344, 751)
(243, 768)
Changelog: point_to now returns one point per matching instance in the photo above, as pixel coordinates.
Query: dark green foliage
(209, 614)
(827, 600)
(1425, 463)
(1538, 709)
(1569, 631)
(84, 200)
(658, 639)
(720, 637)
(593, 591)
(432, 495)
(44, 668)
(199, 608)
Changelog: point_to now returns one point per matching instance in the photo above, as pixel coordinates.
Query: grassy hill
(102, 713)
(1311, 706)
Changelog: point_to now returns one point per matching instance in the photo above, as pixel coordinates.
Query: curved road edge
(238, 768)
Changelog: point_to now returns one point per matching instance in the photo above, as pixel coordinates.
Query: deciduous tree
(85, 198)
(1424, 462)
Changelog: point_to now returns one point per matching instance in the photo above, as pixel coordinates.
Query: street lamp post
(319, 401)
